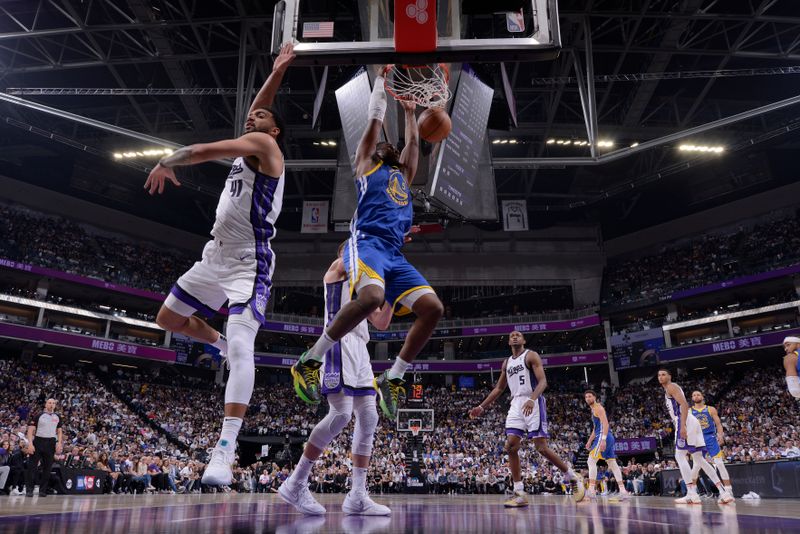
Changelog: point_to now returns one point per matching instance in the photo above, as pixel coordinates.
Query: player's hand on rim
(158, 177)
(408, 104)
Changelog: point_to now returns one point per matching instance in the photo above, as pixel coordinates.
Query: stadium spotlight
(148, 153)
(702, 148)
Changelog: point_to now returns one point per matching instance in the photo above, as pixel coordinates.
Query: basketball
(434, 124)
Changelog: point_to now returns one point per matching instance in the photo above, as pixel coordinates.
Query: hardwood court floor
(227, 513)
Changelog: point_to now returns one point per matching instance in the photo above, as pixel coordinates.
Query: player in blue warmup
(376, 268)
(601, 446)
(712, 434)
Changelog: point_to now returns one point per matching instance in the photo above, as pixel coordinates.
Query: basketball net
(426, 85)
(414, 430)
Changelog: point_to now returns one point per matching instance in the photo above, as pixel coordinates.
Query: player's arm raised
(498, 390)
(377, 111)
(258, 144)
(266, 95)
(676, 393)
(409, 157)
(715, 416)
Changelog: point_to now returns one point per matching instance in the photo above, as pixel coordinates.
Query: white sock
(230, 430)
(398, 369)
(519, 486)
(221, 343)
(301, 471)
(569, 476)
(729, 489)
(323, 345)
(691, 490)
(360, 478)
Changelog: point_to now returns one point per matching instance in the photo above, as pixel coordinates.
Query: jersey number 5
(236, 188)
(521, 380)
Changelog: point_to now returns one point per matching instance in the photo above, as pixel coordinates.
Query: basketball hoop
(427, 85)
(414, 430)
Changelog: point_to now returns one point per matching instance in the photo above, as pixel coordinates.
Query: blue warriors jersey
(609, 453)
(706, 421)
(384, 206)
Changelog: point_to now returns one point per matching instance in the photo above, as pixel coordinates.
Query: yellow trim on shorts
(364, 269)
(404, 294)
(596, 453)
(375, 168)
(718, 455)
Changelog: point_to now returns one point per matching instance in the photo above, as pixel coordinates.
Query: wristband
(602, 438)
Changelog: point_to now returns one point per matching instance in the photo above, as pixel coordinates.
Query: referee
(44, 442)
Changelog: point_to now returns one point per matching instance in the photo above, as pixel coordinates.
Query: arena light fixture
(709, 149)
(739, 361)
(44, 356)
(634, 145)
(85, 361)
(604, 143)
(141, 154)
(124, 365)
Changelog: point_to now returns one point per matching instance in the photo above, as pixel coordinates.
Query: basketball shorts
(694, 441)
(370, 260)
(346, 368)
(607, 454)
(531, 426)
(713, 449)
(238, 273)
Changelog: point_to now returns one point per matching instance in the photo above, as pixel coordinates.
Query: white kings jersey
(248, 206)
(674, 408)
(337, 294)
(520, 379)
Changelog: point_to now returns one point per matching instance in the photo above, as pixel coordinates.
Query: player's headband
(791, 339)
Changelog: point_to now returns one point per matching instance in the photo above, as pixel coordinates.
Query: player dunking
(376, 267)
(709, 421)
(688, 441)
(523, 373)
(791, 363)
(348, 384)
(601, 446)
(238, 263)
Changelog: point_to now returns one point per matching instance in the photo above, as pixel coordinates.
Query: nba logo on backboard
(515, 22)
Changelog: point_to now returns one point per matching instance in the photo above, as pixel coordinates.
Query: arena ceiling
(660, 67)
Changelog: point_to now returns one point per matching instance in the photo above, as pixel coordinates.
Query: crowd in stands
(151, 432)
(705, 260)
(62, 244)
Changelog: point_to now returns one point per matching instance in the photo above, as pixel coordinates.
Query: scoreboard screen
(464, 177)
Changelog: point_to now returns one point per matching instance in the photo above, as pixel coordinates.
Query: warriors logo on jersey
(397, 188)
